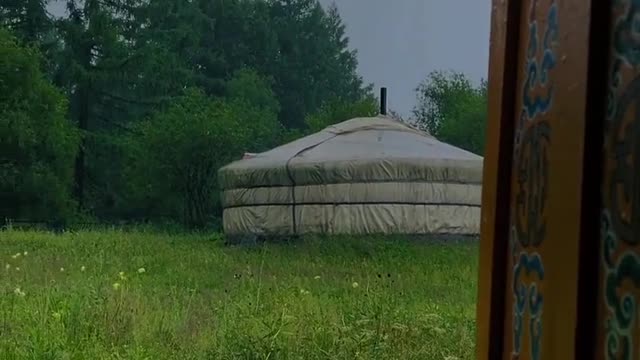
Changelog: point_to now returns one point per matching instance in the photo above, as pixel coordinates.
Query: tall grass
(144, 295)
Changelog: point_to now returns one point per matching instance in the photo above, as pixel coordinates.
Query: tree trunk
(83, 99)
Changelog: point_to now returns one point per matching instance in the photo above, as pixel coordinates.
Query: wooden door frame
(503, 76)
(593, 160)
(498, 160)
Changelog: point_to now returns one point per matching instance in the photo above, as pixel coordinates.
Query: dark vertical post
(506, 21)
(383, 101)
(587, 308)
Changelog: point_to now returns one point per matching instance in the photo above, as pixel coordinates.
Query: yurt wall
(362, 176)
(559, 261)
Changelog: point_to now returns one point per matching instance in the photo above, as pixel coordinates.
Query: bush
(467, 128)
(178, 152)
(248, 89)
(337, 111)
(451, 108)
(37, 143)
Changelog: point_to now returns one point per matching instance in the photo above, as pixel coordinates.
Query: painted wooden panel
(560, 242)
(618, 315)
(547, 176)
(525, 291)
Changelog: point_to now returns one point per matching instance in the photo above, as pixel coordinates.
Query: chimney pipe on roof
(383, 101)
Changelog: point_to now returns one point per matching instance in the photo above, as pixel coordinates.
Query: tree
(37, 143)
(314, 63)
(337, 111)
(296, 43)
(113, 75)
(27, 19)
(30, 23)
(124, 63)
(176, 154)
(247, 88)
(452, 109)
(92, 51)
(248, 85)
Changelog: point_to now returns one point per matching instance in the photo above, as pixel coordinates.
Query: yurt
(363, 176)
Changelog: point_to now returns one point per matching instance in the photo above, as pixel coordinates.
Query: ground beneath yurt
(142, 295)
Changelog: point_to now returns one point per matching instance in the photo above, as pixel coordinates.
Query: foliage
(314, 64)
(331, 298)
(89, 67)
(179, 150)
(248, 85)
(117, 71)
(337, 111)
(27, 19)
(467, 128)
(254, 91)
(452, 109)
(290, 135)
(298, 44)
(273, 63)
(37, 142)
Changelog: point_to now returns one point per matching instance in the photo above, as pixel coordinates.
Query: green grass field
(145, 295)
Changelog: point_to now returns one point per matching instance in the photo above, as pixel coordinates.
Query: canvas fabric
(360, 176)
(353, 219)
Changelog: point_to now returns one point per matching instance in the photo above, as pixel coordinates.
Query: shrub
(178, 152)
(451, 108)
(337, 111)
(37, 142)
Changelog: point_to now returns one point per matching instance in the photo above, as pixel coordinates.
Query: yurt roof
(374, 149)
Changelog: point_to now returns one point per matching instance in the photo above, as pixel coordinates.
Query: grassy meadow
(148, 295)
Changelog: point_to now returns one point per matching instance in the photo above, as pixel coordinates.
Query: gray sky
(400, 41)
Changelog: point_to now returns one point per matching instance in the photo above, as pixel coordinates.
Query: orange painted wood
(534, 249)
(497, 170)
(547, 181)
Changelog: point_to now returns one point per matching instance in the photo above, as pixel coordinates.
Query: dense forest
(125, 109)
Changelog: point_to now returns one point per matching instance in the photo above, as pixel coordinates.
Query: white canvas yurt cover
(362, 176)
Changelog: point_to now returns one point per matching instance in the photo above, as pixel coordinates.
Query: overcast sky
(400, 41)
